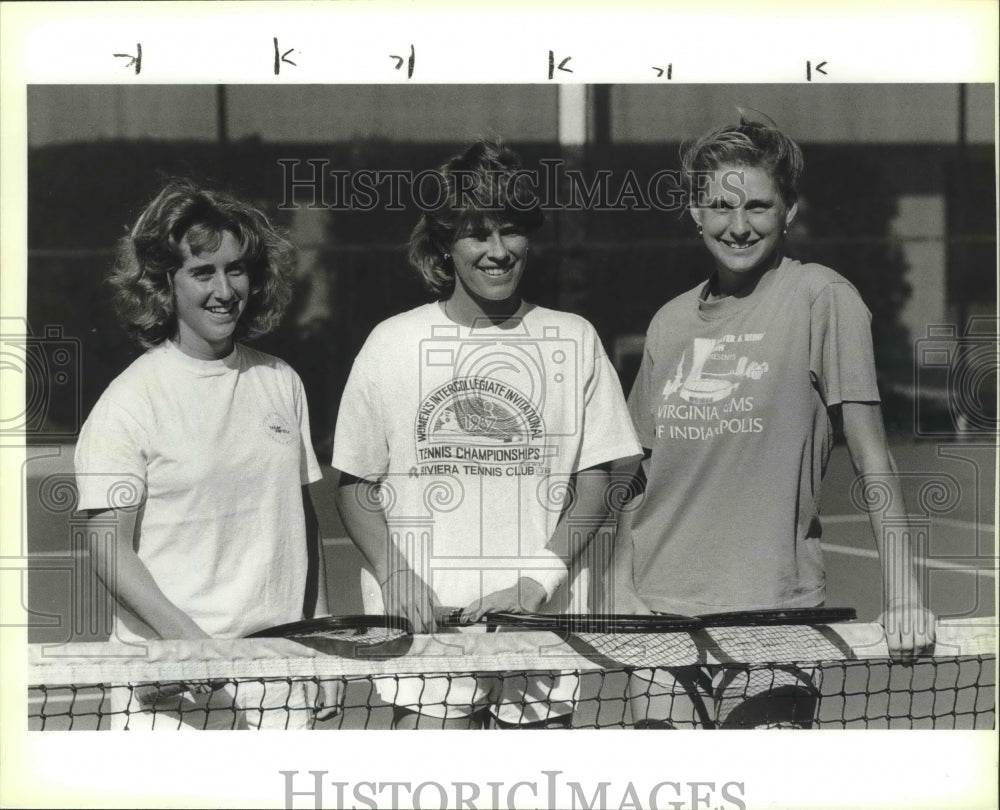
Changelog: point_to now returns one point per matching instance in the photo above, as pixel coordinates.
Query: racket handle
(448, 616)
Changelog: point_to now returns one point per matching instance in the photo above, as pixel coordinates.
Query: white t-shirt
(216, 452)
(474, 434)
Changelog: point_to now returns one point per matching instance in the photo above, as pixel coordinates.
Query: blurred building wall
(642, 114)
(299, 114)
(820, 113)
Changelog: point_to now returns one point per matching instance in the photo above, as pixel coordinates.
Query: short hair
(484, 186)
(749, 143)
(151, 252)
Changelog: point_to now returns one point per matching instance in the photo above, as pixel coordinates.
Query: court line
(954, 523)
(943, 565)
(84, 553)
(828, 519)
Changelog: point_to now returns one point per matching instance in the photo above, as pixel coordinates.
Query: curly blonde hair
(151, 252)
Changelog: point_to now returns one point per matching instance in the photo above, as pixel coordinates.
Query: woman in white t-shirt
(200, 449)
(464, 426)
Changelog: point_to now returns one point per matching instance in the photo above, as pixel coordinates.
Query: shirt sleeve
(842, 359)
(639, 397)
(607, 428)
(360, 443)
(309, 470)
(110, 458)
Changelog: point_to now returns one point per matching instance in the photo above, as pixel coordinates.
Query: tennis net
(835, 676)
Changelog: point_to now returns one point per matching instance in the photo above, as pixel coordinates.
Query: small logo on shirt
(277, 428)
(716, 370)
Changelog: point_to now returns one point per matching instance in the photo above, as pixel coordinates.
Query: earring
(700, 231)
(446, 256)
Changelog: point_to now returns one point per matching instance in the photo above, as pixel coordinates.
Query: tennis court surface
(842, 672)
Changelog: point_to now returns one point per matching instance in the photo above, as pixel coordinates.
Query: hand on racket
(527, 596)
(909, 629)
(405, 594)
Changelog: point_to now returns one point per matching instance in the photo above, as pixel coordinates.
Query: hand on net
(527, 596)
(330, 699)
(909, 629)
(405, 594)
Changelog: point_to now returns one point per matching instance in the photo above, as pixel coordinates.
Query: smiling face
(743, 219)
(489, 262)
(211, 290)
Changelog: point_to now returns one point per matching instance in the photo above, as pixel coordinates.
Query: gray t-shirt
(732, 398)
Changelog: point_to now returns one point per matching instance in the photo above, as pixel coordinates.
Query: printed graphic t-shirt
(732, 398)
(216, 453)
(474, 434)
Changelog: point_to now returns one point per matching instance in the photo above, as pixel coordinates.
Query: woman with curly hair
(474, 434)
(207, 438)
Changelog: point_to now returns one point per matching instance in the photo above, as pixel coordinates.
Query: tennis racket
(612, 640)
(778, 616)
(762, 695)
(358, 636)
(584, 622)
(657, 622)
